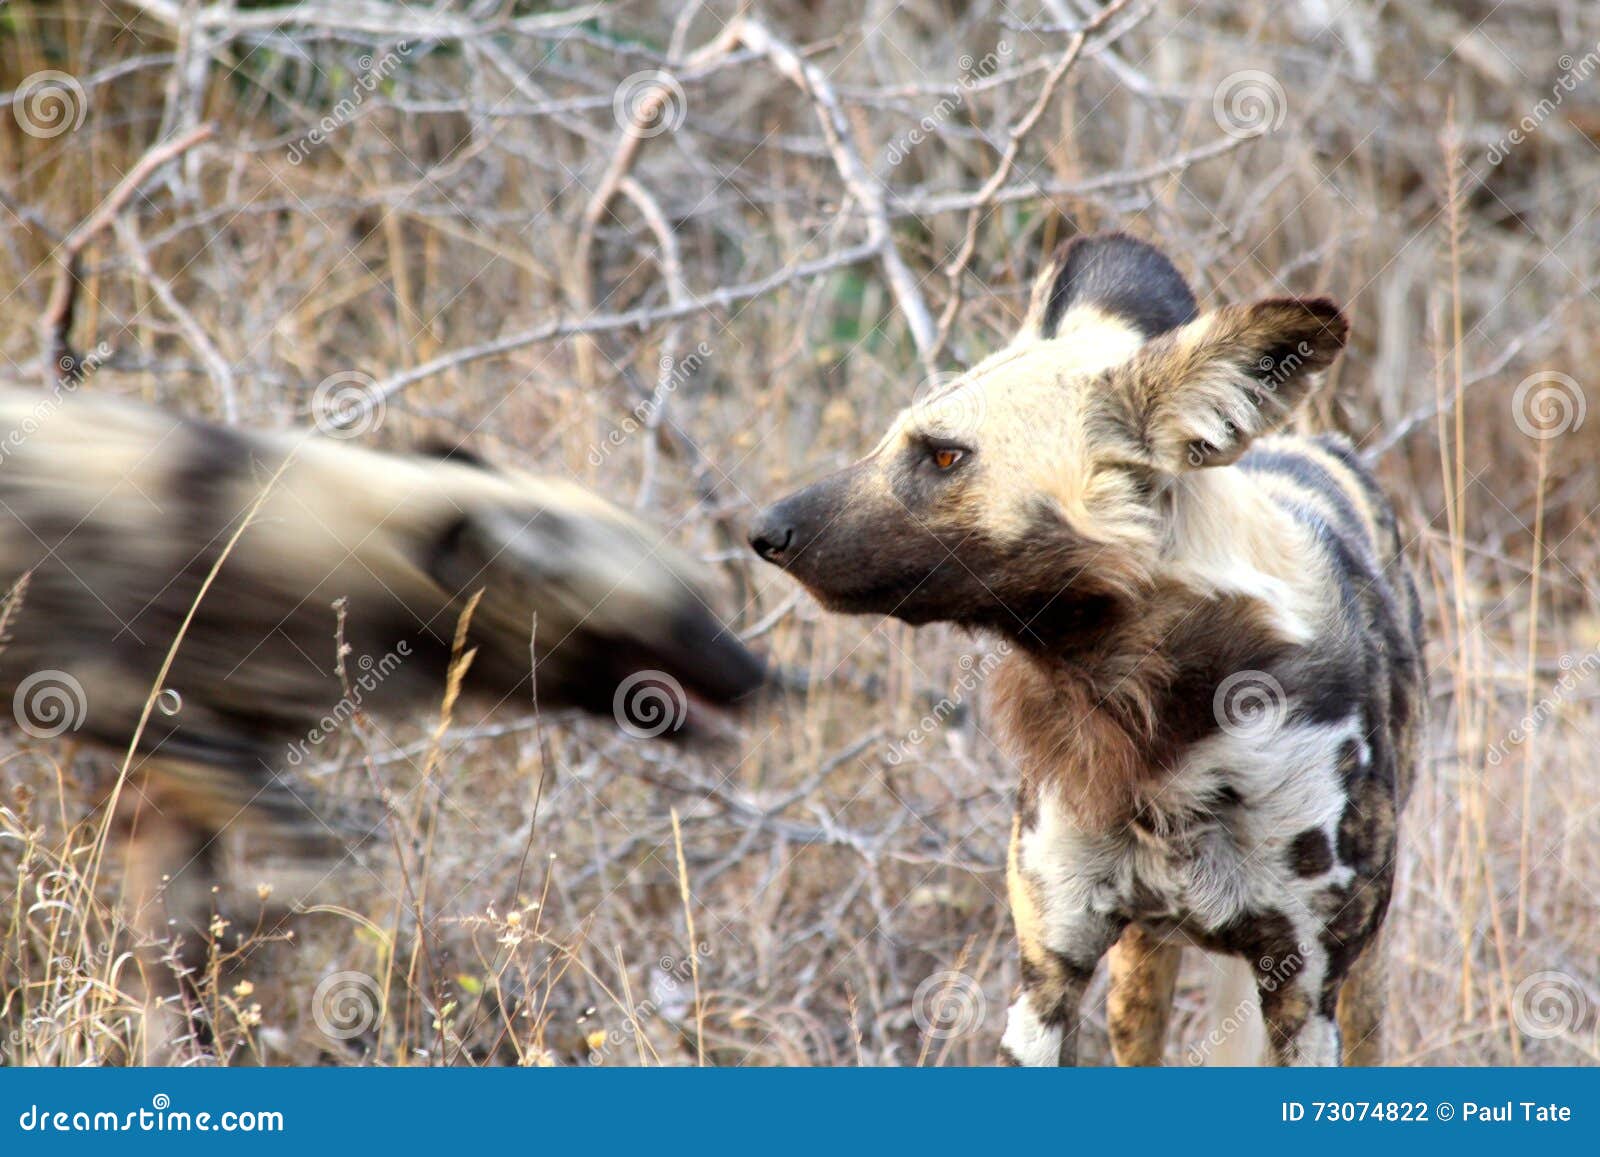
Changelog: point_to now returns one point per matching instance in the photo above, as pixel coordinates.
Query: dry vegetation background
(518, 224)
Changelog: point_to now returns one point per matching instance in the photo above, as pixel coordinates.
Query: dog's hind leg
(1144, 976)
(173, 814)
(1362, 1003)
(167, 890)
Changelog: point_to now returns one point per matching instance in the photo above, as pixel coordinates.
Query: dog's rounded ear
(1198, 396)
(1121, 277)
(516, 559)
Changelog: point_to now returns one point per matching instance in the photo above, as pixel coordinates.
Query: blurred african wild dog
(1215, 693)
(128, 535)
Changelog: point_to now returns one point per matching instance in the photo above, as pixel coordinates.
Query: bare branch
(55, 324)
(628, 319)
(193, 332)
(862, 185)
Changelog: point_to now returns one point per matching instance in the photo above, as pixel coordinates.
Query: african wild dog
(1215, 694)
(121, 541)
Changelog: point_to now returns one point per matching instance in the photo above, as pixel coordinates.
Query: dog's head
(1026, 496)
(612, 619)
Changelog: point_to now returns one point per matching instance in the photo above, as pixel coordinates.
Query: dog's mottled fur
(123, 527)
(1216, 699)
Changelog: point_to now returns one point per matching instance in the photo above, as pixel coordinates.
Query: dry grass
(837, 886)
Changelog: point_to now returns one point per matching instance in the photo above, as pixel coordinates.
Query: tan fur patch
(1144, 977)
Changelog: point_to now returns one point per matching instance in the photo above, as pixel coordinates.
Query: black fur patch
(1310, 854)
(211, 459)
(1226, 796)
(1049, 589)
(448, 451)
(1078, 972)
(1367, 827)
(1123, 277)
(1352, 915)
(1267, 940)
(1313, 477)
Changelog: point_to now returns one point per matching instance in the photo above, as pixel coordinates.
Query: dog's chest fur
(1246, 825)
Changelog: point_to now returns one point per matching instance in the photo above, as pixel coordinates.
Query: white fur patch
(1032, 1042)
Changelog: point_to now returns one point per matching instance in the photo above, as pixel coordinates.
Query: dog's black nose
(770, 537)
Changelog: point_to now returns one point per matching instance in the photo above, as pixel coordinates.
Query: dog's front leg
(1061, 941)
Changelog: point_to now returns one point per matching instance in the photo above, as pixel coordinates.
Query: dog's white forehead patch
(1014, 381)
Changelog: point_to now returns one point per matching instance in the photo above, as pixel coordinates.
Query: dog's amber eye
(947, 456)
